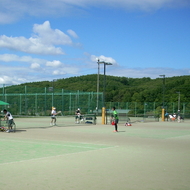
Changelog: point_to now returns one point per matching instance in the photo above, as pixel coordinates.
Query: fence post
(62, 100)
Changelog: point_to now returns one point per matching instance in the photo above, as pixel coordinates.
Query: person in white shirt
(9, 118)
(53, 116)
(172, 118)
(174, 115)
(77, 115)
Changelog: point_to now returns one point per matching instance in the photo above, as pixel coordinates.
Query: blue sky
(53, 39)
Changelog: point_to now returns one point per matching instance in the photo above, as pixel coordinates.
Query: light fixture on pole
(104, 91)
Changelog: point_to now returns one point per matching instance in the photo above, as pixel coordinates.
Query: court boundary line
(57, 143)
(47, 157)
(91, 148)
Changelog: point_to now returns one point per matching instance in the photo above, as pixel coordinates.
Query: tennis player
(9, 118)
(53, 116)
(115, 119)
(77, 115)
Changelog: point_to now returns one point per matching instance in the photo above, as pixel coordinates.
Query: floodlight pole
(98, 84)
(104, 115)
(178, 115)
(3, 93)
(54, 80)
(163, 96)
(104, 92)
(163, 90)
(178, 100)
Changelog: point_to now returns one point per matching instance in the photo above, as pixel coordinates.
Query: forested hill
(122, 89)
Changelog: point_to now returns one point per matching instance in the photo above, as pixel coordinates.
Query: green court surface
(69, 156)
(30, 150)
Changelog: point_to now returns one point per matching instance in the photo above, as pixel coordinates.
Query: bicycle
(5, 127)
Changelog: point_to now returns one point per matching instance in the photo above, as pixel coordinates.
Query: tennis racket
(59, 112)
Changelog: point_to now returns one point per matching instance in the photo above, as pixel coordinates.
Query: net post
(103, 115)
(163, 112)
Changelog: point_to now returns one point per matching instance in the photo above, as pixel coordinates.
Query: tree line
(118, 89)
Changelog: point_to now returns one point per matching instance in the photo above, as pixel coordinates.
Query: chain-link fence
(150, 109)
(40, 103)
(25, 100)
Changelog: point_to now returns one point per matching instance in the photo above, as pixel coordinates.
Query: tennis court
(69, 156)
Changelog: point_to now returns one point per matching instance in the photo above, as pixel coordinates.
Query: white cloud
(63, 69)
(9, 75)
(46, 35)
(4, 79)
(103, 58)
(72, 33)
(6, 18)
(146, 72)
(58, 72)
(10, 11)
(28, 69)
(35, 66)
(67, 70)
(31, 45)
(42, 41)
(54, 63)
(16, 58)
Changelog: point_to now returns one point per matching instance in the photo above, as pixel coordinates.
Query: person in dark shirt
(115, 119)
